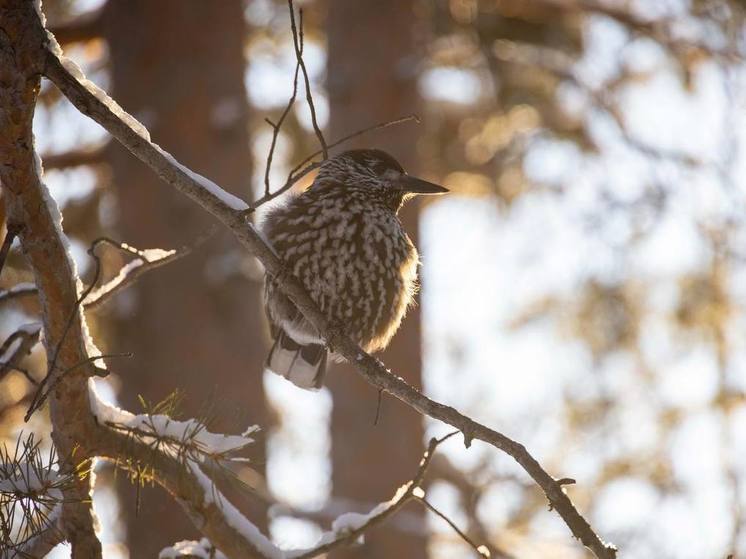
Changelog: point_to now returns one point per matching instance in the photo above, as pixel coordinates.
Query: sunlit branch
(211, 198)
(74, 158)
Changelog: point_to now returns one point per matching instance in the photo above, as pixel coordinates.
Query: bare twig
(411, 490)
(146, 261)
(74, 158)
(277, 126)
(480, 549)
(306, 166)
(10, 357)
(91, 299)
(370, 368)
(298, 45)
(41, 395)
(348, 137)
(11, 232)
(19, 290)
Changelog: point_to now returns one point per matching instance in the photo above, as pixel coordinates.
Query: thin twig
(480, 549)
(75, 158)
(276, 127)
(28, 339)
(298, 45)
(306, 166)
(12, 231)
(406, 493)
(348, 137)
(130, 273)
(379, 401)
(40, 395)
(17, 291)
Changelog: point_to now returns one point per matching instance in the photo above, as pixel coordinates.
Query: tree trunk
(194, 325)
(372, 77)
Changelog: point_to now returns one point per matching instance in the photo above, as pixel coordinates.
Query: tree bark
(179, 66)
(22, 55)
(372, 77)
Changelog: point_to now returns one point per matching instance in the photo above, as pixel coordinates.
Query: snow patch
(351, 521)
(146, 256)
(102, 96)
(163, 426)
(233, 202)
(203, 549)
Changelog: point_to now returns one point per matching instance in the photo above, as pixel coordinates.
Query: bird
(343, 240)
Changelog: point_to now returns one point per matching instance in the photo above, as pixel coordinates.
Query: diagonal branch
(231, 213)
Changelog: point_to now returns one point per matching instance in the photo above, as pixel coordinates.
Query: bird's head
(374, 173)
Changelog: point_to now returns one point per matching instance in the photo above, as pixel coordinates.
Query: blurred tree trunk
(194, 325)
(372, 77)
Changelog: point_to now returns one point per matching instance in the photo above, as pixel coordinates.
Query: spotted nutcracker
(343, 240)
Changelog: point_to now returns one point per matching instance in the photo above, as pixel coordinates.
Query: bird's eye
(391, 174)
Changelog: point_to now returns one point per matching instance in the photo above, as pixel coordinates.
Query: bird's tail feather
(303, 365)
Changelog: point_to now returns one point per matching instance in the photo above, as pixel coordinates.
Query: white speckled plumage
(343, 240)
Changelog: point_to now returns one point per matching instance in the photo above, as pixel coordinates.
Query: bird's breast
(358, 265)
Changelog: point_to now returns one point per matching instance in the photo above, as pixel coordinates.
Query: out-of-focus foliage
(552, 118)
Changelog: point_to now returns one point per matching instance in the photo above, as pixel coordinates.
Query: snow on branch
(145, 261)
(189, 439)
(232, 214)
(202, 549)
(352, 526)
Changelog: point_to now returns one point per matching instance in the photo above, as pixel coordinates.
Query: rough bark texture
(373, 80)
(21, 64)
(179, 66)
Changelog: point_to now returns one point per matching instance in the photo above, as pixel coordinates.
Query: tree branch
(74, 158)
(231, 213)
(298, 45)
(11, 355)
(17, 291)
(22, 46)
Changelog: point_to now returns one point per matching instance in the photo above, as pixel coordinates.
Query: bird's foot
(283, 274)
(334, 332)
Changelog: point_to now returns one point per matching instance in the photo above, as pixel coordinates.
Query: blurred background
(584, 284)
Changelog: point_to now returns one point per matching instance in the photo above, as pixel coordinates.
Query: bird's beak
(419, 186)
